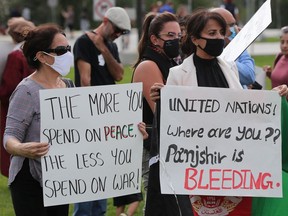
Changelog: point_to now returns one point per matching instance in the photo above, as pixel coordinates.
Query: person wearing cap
(96, 56)
(97, 62)
(16, 68)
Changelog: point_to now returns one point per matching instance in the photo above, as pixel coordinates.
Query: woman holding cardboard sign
(47, 51)
(203, 44)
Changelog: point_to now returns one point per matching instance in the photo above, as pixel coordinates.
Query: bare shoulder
(146, 69)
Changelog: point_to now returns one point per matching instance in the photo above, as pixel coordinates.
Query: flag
(263, 206)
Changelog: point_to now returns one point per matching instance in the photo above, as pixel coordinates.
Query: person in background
(167, 7)
(154, 7)
(279, 74)
(2, 29)
(157, 48)
(132, 200)
(47, 50)
(245, 63)
(84, 20)
(69, 19)
(16, 68)
(206, 32)
(232, 8)
(182, 11)
(182, 22)
(15, 12)
(97, 62)
(26, 13)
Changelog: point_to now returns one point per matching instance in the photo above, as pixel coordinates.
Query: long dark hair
(152, 25)
(195, 25)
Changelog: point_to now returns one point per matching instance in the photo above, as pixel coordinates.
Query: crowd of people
(175, 48)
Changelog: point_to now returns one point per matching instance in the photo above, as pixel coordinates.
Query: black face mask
(171, 47)
(214, 47)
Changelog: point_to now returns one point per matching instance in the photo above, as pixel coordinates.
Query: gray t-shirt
(23, 123)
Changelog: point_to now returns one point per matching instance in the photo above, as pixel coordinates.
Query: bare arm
(85, 72)
(148, 73)
(115, 68)
(30, 149)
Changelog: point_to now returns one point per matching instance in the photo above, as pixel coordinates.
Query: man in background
(245, 63)
(97, 62)
(232, 8)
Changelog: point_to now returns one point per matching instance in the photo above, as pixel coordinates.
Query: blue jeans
(91, 208)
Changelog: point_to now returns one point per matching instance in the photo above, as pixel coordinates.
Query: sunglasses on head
(60, 50)
(118, 30)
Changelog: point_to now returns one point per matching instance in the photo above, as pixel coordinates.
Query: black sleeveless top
(164, 64)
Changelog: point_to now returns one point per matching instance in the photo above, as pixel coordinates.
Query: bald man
(245, 63)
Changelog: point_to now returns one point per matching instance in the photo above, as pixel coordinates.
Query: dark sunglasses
(60, 50)
(118, 30)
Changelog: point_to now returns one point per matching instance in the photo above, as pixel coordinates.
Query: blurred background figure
(84, 20)
(182, 20)
(26, 13)
(279, 74)
(69, 17)
(154, 8)
(97, 62)
(15, 70)
(15, 12)
(232, 8)
(6, 48)
(125, 41)
(182, 11)
(167, 6)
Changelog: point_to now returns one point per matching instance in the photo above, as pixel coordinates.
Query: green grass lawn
(5, 199)
(269, 39)
(6, 208)
(265, 60)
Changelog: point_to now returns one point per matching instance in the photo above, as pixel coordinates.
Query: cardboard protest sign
(252, 29)
(95, 145)
(216, 141)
